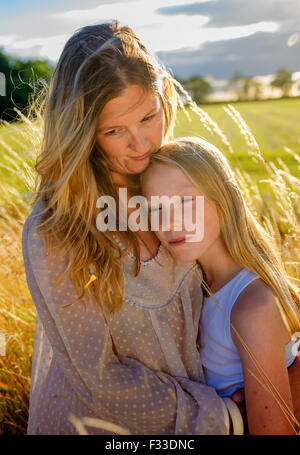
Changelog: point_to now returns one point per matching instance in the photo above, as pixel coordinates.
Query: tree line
(24, 78)
(246, 88)
(20, 80)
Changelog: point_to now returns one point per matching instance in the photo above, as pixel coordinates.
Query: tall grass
(272, 193)
(19, 143)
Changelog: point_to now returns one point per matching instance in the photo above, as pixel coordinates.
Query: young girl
(250, 310)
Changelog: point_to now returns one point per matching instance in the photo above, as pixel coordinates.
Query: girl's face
(130, 128)
(167, 180)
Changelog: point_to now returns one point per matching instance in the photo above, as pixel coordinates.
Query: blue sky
(209, 37)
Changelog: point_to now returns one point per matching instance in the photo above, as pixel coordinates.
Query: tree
(258, 90)
(283, 80)
(198, 87)
(244, 86)
(21, 82)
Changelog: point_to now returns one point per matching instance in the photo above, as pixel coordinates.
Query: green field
(274, 124)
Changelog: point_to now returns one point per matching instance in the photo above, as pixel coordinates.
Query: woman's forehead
(133, 101)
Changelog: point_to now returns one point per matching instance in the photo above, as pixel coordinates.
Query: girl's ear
(142, 178)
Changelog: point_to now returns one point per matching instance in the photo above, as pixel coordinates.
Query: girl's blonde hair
(96, 65)
(246, 240)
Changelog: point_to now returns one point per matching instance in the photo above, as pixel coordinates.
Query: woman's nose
(138, 142)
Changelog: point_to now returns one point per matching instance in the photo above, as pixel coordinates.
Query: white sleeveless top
(219, 355)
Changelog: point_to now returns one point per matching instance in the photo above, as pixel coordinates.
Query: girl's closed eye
(188, 199)
(155, 209)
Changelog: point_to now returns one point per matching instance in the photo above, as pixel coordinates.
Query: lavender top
(139, 368)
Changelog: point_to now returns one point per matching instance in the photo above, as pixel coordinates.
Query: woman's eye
(112, 132)
(150, 117)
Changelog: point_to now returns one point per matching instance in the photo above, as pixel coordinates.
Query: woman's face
(130, 128)
(167, 180)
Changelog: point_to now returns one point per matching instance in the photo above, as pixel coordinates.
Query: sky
(212, 38)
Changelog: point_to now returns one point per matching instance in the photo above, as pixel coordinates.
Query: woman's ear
(169, 101)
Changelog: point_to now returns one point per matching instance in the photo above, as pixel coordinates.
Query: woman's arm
(120, 390)
(257, 319)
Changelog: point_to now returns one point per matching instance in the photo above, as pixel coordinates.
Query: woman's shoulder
(35, 215)
(30, 228)
(35, 245)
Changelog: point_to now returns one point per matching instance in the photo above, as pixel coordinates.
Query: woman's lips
(177, 242)
(142, 157)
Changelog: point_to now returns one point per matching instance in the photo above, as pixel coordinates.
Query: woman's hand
(239, 398)
(294, 378)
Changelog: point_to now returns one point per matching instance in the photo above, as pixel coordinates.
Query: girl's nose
(173, 221)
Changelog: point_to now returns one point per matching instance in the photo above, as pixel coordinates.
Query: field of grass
(273, 155)
(274, 124)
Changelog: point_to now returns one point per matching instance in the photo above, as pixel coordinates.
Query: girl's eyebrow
(178, 193)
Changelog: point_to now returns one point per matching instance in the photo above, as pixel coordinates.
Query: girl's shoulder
(256, 309)
(257, 295)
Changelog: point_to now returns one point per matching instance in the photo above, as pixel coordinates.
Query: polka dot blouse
(138, 369)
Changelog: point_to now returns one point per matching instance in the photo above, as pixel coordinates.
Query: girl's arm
(258, 321)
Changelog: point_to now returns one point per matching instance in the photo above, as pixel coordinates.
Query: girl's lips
(177, 242)
(141, 157)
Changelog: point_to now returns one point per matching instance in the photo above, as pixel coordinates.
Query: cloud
(43, 48)
(193, 36)
(226, 13)
(261, 53)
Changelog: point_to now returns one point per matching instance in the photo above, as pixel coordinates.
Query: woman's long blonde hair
(246, 240)
(97, 63)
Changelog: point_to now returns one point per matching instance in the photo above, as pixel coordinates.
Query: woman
(252, 308)
(127, 356)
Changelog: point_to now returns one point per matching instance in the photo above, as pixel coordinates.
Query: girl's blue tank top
(219, 355)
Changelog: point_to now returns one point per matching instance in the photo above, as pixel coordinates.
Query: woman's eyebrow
(151, 111)
(103, 128)
(111, 127)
